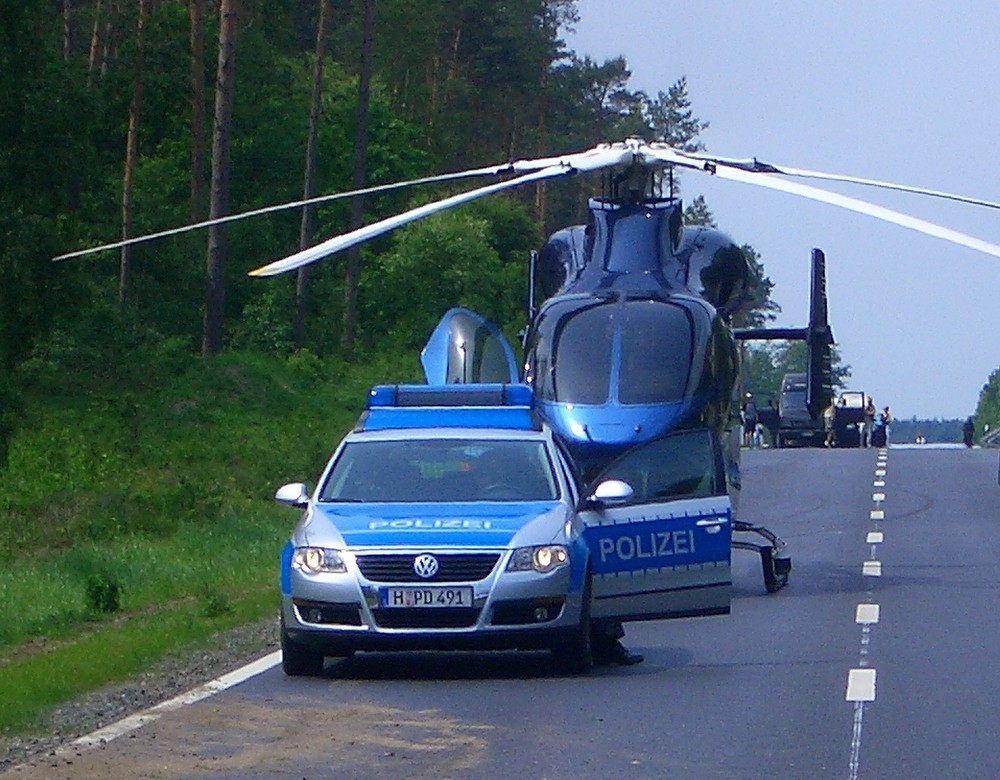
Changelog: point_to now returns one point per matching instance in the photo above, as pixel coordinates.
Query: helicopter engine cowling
(717, 268)
(561, 259)
(624, 246)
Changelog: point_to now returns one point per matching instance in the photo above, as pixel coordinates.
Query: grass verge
(30, 686)
(136, 510)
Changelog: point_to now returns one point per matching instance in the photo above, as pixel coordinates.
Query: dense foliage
(455, 84)
(987, 417)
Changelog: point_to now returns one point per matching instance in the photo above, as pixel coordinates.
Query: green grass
(137, 513)
(36, 682)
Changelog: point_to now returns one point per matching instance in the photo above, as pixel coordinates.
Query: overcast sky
(899, 90)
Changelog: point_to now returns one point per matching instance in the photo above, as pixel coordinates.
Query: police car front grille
(457, 567)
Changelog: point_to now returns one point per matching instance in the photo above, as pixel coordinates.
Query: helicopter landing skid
(774, 559)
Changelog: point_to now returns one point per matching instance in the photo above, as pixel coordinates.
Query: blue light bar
(394, 407)
(460, 395)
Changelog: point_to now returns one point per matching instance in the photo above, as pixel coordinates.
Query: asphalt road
(877, 661)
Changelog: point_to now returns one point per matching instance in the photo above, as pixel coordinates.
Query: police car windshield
(441, 470)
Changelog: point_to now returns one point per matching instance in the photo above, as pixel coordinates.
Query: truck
(797, 426)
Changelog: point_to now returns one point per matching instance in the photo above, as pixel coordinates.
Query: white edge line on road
(132, 722)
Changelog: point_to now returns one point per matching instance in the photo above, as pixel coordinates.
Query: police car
(452, 518)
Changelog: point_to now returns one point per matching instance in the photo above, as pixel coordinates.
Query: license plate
(425, 597)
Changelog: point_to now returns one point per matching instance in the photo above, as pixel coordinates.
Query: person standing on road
(829, 414)
(868, 423)
(885, 418)
(968, 432)
(749, 420)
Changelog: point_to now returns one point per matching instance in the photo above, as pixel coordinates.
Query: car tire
(298, 660)
(575, 654)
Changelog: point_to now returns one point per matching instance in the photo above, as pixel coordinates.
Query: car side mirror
(294, 494)
(611, 492)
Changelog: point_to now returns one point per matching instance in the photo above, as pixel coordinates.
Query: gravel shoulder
(174, 675)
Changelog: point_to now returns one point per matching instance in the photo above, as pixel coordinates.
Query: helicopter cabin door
(467, 349)
(661, 550)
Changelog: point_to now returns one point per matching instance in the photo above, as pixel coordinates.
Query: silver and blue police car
(451, 518)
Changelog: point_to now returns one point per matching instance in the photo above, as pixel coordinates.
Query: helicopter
(637, 306)
(633, 341)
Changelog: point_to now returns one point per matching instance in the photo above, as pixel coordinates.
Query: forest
(152, 395)
(113, 129)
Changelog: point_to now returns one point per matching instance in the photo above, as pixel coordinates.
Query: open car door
(662, 548)
(467, 349)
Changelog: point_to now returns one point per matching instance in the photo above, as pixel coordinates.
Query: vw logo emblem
(425, 566)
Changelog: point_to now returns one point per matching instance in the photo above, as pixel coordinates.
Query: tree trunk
(353, 271)
(305, 231)
(95, 43)
(131, 154)
(67, 11)
(215, 295)
(196, 11)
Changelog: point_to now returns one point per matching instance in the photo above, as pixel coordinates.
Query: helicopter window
(656, 353)
(572, 357)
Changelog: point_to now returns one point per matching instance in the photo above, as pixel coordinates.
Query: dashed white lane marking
(133, 722)
(861, 685)
(861, 681)
(855, 763)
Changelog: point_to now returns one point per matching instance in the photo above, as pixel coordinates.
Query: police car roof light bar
(458, 395)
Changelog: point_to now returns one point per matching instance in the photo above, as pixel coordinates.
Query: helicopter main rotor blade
(773, 182)
(581, 161)
(757, 166)
(594, 159)
(495, 170)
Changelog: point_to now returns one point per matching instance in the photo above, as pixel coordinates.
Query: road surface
(877, 661)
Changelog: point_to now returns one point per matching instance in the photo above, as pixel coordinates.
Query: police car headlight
(543, 558)
(316, 560)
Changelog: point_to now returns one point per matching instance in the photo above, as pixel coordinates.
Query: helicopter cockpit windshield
(634, 351)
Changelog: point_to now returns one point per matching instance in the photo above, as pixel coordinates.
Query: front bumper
(340, 613)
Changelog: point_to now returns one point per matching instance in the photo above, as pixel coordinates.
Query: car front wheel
(575, 654)
(298, 660)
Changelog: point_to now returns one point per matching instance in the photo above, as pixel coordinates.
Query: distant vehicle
(796, 424)
(849, 418)
(452, 518)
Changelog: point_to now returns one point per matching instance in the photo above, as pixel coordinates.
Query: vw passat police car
(451, 518)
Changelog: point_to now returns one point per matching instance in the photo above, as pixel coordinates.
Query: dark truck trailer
(796, 425)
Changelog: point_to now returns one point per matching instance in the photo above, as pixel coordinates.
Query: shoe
(614, 652)
(628, 658)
